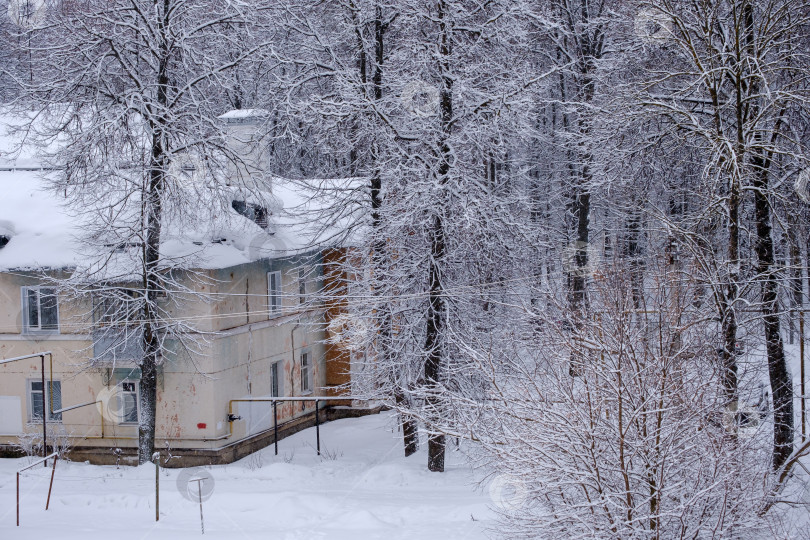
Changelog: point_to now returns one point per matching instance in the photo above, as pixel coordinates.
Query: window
(276, 380)
(129, 402)
(302, 286)
(53, 400)
(40, 310)
(306, 373)
(273, 291)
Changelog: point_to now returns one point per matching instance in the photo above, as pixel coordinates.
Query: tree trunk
(728, 312)
(433, 345)
(152, 286)
(380, 260)
(151, 255)
(780, 378)
(151, 283)
(410, 433)
(436, 315)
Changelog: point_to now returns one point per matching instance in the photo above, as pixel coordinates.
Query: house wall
(240, 340)
(70, 349)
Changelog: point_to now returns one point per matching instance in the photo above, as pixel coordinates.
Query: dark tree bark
(151, 277)
(728, 313)
(436, 316)
(761, 161)
(780, 378)
(586, 38)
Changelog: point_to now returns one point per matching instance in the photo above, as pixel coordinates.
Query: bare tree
(725, 55)
(128, 91)
(632, 446)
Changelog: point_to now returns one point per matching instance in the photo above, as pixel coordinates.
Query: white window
(273, 291)
(40, 310)
(53, 400)
(276, 379)
(306, 373)
(128, 404)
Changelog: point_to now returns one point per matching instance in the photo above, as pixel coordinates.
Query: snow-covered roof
(44, 233)
(41, 233)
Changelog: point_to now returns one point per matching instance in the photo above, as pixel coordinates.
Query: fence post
(275, 425)
(44, 413)
(318, 426)
(157, 486)
(199, 493)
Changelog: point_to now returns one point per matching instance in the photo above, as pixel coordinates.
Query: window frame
(307, 375)
(33, 419)
(277, 379)
(302, 286)
(26, 322)
(137, 394)
(274, 297)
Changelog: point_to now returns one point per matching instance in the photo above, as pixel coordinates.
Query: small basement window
(254, 212)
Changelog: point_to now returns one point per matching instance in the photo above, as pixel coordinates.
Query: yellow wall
(239, 342)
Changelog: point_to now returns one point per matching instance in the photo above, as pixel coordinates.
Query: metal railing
(275, 401)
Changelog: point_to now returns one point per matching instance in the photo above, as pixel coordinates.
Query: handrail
(272, 399)
(275, 400)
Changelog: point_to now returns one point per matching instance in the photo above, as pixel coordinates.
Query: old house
(262, 334)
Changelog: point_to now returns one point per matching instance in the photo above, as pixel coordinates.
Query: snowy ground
(361, 489)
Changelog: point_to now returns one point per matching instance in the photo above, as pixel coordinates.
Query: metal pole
(275, 425)
(18, 499)
(318, 427)
(24, 357)
(44, 413)
(199, 492)
(801, 373)
(50, 488)
(157, 489)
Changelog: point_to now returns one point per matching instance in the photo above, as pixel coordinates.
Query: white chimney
(246, 142)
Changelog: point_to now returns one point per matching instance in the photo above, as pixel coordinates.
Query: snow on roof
(45, 234)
